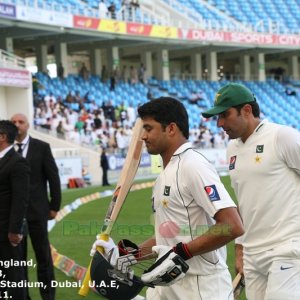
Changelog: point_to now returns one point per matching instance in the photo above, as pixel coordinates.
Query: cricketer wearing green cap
(230, 95)
(262, 156)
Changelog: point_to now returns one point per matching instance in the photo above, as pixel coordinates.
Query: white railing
(8, 59)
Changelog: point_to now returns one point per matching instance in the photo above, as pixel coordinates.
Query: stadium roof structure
(31, 27)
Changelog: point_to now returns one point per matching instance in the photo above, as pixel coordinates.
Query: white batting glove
(124, 262)
(161, 250)
(111, 251)
(168, 268)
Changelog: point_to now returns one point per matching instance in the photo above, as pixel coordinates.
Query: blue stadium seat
(270, 95)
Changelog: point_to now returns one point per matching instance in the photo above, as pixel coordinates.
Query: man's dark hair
(9, 129)
(254, 105)
(166, 110)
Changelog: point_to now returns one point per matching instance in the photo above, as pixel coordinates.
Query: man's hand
(111, 251)
(239, 265)
(52, 214)
(15, 238)
(120, 261)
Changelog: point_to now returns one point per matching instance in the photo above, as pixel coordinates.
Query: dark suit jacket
(43, 171)
(104, 162)
(14, 189)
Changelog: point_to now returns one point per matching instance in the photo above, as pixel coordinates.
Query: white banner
(14, 77)
(69, 168)
(38, 15)
(218, 158)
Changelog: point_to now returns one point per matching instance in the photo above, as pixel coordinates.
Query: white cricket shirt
(265, 175)
(186, 196)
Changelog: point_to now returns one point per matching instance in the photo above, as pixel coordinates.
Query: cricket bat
(123, 186)
(238, 285)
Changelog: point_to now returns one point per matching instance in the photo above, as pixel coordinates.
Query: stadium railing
(8, 59)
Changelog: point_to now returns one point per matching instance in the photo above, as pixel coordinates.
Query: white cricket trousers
(191, 287)
(274, 274)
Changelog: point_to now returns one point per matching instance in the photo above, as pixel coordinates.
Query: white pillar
(146, 58)
(61, 56)
(163, 65)
(245, 67)
(113, 58)
(96, 62)
(41, 59)
(260, 68)
(196, 62)
(7, 44)
(294, 66)
(212, 66)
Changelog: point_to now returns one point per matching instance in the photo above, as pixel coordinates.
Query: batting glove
(111, 251)
(168, 269)
(180, 249)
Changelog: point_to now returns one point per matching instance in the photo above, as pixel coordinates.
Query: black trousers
(10, 273)
(104, 177)
(37, 230)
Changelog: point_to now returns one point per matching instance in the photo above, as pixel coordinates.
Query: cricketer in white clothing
(194, 214)
(264, 167)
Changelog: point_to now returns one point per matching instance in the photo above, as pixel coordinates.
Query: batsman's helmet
(111, 283)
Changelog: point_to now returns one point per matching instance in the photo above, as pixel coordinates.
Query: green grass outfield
(74, 235)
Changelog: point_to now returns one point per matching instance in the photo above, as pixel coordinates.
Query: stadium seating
(275, 104)
(258, 15)
(263, 15)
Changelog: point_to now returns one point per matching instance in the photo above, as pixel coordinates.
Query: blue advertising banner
(7, 10)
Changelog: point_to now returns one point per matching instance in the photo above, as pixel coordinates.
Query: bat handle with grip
(85, 285)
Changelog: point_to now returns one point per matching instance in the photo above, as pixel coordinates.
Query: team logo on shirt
(212, 192)
(232, 162)
(258, 159)
(216, 98)
(165, 203)
(167, 190)
(259, 148)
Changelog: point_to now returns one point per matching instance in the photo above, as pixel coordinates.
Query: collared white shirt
(25, 144)
(186, 196)
(265, 175)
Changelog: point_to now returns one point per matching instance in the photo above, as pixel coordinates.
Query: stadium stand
(192, 75)
(255, 16)
(270, 94)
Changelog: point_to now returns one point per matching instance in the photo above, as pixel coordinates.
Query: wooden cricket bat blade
(238, 285)
(123, 186)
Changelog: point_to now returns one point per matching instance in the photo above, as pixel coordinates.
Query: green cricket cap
(230, 95)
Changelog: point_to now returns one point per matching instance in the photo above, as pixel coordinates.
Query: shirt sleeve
(239, 240)
(206, 187)
(288, 147)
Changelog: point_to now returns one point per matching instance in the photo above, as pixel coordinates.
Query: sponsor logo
(259, 148)
(167, 191)
(212, 192)
(185, 33)
(232, 162)
(282, 268)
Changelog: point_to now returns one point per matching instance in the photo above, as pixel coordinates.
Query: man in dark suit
(14, 190)
(43, 171)
(105, 166)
